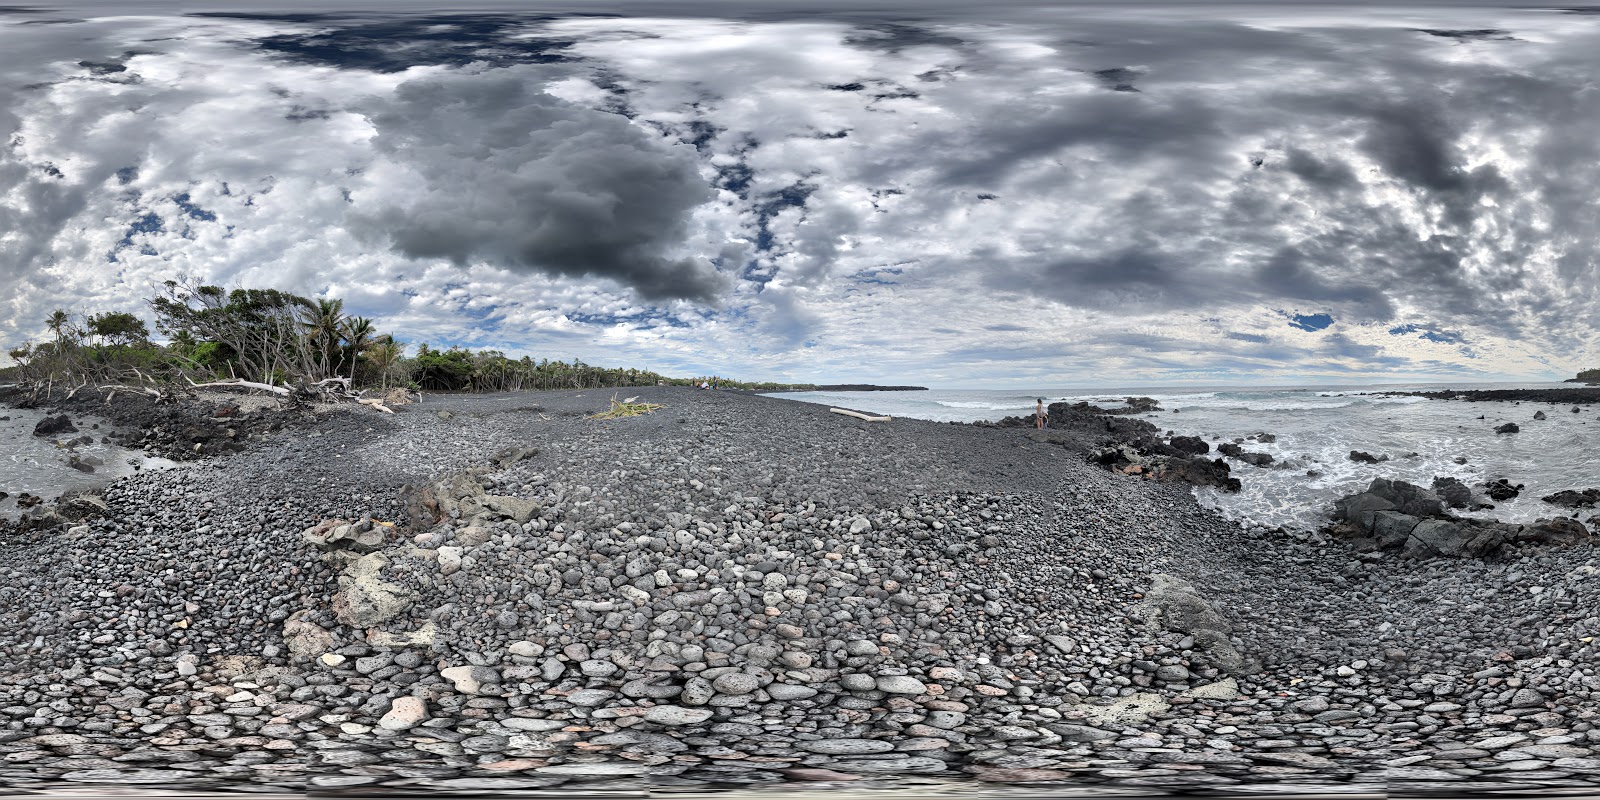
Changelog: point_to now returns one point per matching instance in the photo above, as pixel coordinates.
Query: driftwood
(265, 387)
(375, 403)
(117, 387)
(859, 415)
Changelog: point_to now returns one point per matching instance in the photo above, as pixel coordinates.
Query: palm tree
(385, 353)
(59, 323)
(324, 323)
(358, 333)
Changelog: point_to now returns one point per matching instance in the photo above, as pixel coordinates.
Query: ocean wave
(983, 406)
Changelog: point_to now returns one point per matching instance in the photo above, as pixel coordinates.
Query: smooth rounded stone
(530, 725)
(677, 715)
(1526, 698)
(860, 647)
(857, 682)
(789, 691)
(736, 683)
(525, 649)
(470, 679)
(697, 692)
(1172, 673)
(1500, 742)
(485, 743)
(596, 668)
(341, 781)
(945, 720)
(588, 698)
(594, 768)
(647, 689)
(912, 764)
(847, 747)
(404, 714)
(900, 684)
(120, 776)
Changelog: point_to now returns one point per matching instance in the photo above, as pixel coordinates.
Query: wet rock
(1509, 427)
(1574, 498)
(1501, 489)
(50, 426)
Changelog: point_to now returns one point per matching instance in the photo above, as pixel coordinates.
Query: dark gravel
(738, 590)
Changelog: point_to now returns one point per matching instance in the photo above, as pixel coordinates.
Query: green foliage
(1589, 376)
(277, 337)
(118, 328)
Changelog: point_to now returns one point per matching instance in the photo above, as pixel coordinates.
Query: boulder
(1408, 497)
(1265, 438)
(1452, 492)
(1173, 604)
(1560, 531)
(1501, 489)
(81, 505)
(1256, 459)
(1539, 415)
(1363, 457)
(1574, 498)
(1199, 472)
(1437, 537)
(1509, 427)
(1391, 528)
(364, 600)
(1230, 449)
(1360, 508)
(1192, 445)
(50, 426)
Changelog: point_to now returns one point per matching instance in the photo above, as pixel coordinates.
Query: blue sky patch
(1310, 322)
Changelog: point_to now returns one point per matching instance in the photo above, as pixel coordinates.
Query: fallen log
(375, 403)
(265, 387)
(859, 415)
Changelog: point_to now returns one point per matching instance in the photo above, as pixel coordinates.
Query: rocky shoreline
(486, 593)
(1562, 396)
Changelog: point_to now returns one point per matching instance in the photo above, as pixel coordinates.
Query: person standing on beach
(1038, 414)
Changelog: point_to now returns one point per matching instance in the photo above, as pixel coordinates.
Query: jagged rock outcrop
(1574, 498)
(1395, 515)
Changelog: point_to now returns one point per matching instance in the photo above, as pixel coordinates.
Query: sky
(1035, 195)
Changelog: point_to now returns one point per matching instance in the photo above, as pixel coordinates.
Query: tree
(324, 323)
(260, 328)
(385, 353)
(358, 336)
(60, 324)
(118, 328)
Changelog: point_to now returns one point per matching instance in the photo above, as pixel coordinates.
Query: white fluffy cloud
(1054, 199)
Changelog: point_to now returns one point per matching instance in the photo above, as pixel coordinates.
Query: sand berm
(739, 590)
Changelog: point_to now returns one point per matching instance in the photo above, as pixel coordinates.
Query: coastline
(947, 599)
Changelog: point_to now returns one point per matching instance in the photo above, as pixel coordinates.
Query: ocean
(38, 465)
(1316, 428)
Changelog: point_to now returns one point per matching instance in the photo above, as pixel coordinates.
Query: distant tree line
(272, 337)
(1589, 376)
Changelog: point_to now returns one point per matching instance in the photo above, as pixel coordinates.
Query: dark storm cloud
(1328, 175)
(1217, 222)
(518, 178)
(397, 43)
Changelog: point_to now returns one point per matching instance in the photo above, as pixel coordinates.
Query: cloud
(1035, 195)
(485, 166)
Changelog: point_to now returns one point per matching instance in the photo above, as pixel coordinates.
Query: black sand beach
(737, 591)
